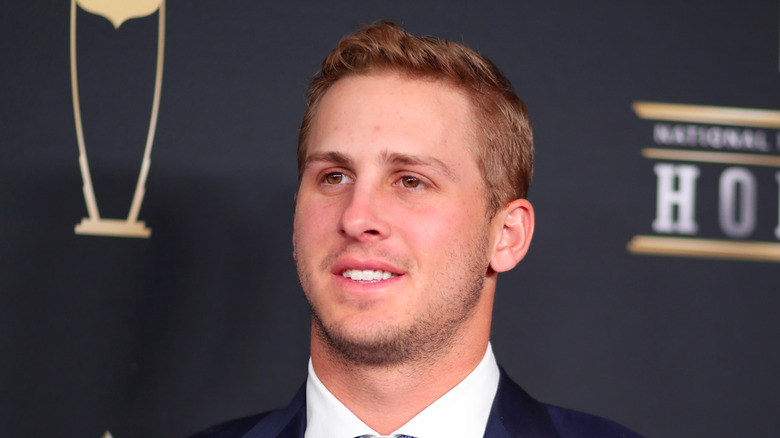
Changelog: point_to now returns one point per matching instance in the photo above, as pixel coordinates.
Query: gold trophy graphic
(117, 12)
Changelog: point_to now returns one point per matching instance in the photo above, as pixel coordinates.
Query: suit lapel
(516, 414)
(288, 422)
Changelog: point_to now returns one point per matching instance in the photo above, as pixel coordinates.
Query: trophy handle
(140, 188)
(89, 191)
(94, 224)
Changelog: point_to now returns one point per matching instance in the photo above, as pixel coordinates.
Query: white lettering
(761, 143)
(692, 135)
(731, 138)
(737, 202)
(714, 137)
(662, 134)
(683, 197)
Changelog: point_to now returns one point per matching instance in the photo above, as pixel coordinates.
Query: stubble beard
(429, 335)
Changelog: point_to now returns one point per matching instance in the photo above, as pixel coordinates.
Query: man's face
(392, 241)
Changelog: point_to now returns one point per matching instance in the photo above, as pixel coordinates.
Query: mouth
(368, 275)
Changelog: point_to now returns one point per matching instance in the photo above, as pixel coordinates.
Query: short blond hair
(505, 151)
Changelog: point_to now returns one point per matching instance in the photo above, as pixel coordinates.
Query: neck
(386, 397)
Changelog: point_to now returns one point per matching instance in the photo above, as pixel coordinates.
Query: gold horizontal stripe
(713, 115)
(705, 248)
(711, 157)
(113, 227)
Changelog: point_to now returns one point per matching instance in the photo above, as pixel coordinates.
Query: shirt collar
(460, 413)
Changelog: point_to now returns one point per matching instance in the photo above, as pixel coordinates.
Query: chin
(383, 344)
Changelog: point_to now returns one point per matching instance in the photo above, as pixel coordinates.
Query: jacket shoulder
(287, 422)
(515, 413)
(574, 424)
(231, 429)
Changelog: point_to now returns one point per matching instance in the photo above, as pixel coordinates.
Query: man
(414, 159)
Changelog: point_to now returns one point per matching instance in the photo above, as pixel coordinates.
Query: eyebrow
(394, 158)
(329, 157)
(420, 160)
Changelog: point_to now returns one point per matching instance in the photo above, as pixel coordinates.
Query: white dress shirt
(460, 413)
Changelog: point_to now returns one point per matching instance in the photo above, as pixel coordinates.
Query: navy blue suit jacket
(514, 414)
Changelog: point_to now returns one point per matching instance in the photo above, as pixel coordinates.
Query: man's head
(395, 252)
(504, 147)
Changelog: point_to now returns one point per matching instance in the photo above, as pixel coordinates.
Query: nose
(364, 217)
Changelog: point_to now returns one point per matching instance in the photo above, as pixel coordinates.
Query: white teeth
(367, 275)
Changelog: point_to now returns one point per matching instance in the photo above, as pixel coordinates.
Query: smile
(367, 275)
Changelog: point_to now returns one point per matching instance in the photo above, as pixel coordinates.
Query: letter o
(737, 216)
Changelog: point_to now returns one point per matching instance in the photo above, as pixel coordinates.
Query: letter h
(683, 197)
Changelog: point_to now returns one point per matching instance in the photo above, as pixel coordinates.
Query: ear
(517, 227)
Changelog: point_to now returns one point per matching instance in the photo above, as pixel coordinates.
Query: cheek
(451, 226)
(314, 223)
(302, 228)
(307, 230)
(309, 209)
(432, 229)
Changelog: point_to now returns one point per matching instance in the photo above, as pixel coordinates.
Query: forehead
(386, 112)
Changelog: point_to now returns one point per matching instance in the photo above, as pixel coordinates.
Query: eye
(334, 178)
(410, 182)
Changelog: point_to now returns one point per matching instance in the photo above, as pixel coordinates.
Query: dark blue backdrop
(205, 321)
